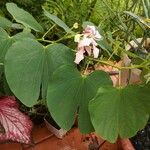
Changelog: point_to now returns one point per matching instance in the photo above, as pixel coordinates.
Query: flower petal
(85, 42)
(79, 56)
(91, 29)
(94, 42)
(88, 49)
(95, 51)
(97, 36)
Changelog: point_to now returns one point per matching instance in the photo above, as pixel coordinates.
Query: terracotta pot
(73, 140)
(126, 144)
(97, 143)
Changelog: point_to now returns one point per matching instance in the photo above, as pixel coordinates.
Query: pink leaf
(17, 125)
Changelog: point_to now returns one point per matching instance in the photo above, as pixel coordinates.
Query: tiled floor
(45, 140)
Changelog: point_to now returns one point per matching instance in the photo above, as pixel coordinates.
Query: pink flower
(87, 43)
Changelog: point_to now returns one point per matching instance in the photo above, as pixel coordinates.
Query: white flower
(87, 43)
(77, 37)
(79, 56)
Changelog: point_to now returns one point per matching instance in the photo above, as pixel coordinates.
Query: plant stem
(48, 31)
(86, 67)
(111, 55)
(104, 62)
(119, 68)
(64, 38)
(47, 41)
(120, 78)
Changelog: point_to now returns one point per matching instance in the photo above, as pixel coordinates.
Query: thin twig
(48, 31)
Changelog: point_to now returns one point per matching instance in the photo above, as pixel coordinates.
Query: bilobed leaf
(5, 43)
(58, 21)
(35, 63)
(17, 125)
(23, 17)
(5, 23)
(55, 56)
(22, 35)
(25, 79)
(120, 112)
(69, 94)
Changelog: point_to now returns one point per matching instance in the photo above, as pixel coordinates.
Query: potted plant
(74, 80)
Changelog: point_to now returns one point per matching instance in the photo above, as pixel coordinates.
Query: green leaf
(58, 21)
(137, 18)
(105, 46)
(120, 111)
(86, 23)
(28, 64)
(5, 43)
(23, 35)
(147, 77)
(56, 56)
(146, 8)
(23, 17)
(5, 23)
(25, 79)
(69, 93)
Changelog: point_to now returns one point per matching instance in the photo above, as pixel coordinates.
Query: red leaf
(17, 125)
(2, 130)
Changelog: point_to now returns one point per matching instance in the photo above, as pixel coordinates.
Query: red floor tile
(10, 146)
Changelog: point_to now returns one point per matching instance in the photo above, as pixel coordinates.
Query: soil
(142, 140)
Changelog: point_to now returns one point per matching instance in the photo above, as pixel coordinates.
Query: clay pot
(97, 143)
(126, 144)
(73, 140)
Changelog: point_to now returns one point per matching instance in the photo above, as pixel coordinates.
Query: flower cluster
(87, 43)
